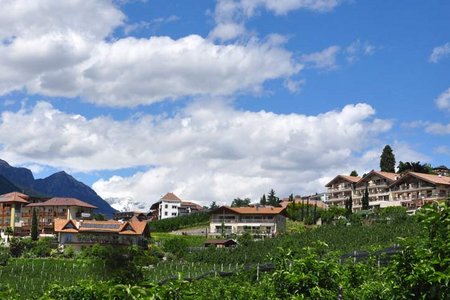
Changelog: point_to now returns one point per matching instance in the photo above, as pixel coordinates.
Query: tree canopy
(272, 199)
(354, 173)
(387, 160)
(414, 167)
(238, 202)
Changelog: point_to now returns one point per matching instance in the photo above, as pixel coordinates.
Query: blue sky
(220, 99)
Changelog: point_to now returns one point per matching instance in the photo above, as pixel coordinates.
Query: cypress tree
(365, 199)
(263, 200)
(387, 160)
(34, 228)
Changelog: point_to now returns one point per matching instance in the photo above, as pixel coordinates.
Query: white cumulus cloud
(208, 151)
(65, 48)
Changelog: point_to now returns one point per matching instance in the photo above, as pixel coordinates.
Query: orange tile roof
(352, 179)
(170, 197)
(191, 204)
(137, 227)
(434, 179)
(14, 197)
(388, 175)
(59, 201)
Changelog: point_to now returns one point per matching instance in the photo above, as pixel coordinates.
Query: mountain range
(60, 184)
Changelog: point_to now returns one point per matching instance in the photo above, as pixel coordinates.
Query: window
(174, 214)
(166, 206)
(165, 213)
(174, 207)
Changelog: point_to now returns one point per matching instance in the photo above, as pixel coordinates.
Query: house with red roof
(170, 206)
(260, 220)
(81, 233)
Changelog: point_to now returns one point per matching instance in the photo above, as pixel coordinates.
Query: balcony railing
(242, 221)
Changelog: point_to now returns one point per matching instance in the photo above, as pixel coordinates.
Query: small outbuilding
(220, 243)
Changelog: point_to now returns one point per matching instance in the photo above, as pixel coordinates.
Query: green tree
(272, 199)
(238, 202)
(354, 173)
(213, 205)
(387, 160)
(263, 200)
(365, 199)
(34, 227)
(414, 167)
(291, 197)
(349, 205)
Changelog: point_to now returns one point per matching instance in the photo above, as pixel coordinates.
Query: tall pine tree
(387, 160)
(272, 199)
(34, 227)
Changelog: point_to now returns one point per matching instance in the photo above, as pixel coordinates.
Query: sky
(214, 100)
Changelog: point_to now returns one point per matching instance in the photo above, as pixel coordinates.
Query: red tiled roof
(170, 197)
(191, 204)
(352, 179)
(388, 175)
(137, 227)
(57, 201)
(14, 197)
(434, 179)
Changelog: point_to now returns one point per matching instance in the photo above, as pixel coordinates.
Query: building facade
(82, 233)
(341, 188)
(16, 211)
(411, 190)
(170, 206)
(260, 220)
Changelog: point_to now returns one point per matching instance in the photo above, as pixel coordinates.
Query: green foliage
(331, 214)
(414, 167)
(272, 199)
(171, 224)
(263, 200)
(34, 227)
(354, 173)
(4, 256)
(245, 239)
(99, 217)
(339, 238)
(307, 275)
(213, 205)
(43, 247)
(177, 246)
(348, 206)
(365, 199)
(238, 202)
(387, 160)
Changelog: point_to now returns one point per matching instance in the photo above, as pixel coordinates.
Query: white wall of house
(168, 209)
(238, 224)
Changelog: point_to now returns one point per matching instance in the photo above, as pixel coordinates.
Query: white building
(166, 207)
(170, 206)
(411, 190)
(263, 220)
